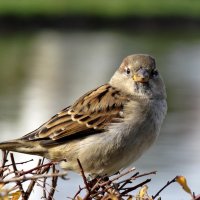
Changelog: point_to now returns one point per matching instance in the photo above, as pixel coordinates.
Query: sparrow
(109, 127)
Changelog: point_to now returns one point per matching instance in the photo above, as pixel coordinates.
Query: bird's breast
(139, 130)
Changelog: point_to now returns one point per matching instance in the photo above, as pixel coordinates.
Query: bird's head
(138, 75)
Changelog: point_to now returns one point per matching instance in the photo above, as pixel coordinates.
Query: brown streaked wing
(95, 110)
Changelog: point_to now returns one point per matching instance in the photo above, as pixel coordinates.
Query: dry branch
(119, 186)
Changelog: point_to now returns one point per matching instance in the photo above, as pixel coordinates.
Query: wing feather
(91, 113)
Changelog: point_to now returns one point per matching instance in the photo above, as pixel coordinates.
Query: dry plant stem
(16, 174)
(107, 184)
(77, 193)
(117, 177)
(123, 174)
(4, 157)
(166, 185)
(126, 191)
(41, 171)
(32, 183)
(5, 167)
(128, 181)
(135, 187)
(44, 189)
(54, 183)
(99, 188)
(84, 177)
(38, 167)
(145, 174)
(34, 177)
(20, 163)
(45, 170)
(43, 186)
(4, 160)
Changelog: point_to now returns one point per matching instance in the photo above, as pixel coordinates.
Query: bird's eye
(154, 73)
(128, 71)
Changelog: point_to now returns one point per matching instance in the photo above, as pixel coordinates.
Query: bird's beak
(141, 76)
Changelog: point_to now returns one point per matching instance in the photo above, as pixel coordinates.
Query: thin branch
(78, 192)
(166, 185)
(45, 170)
(127, 181)
(34, 177)
(44, 189)
(145, 174)
(117, 177)
(38, 167)
(54, 183)
(84, 177)
(32, 183)
(4, 160)
(4, 157)
(20, 163)
(16, 173)
(135, 187)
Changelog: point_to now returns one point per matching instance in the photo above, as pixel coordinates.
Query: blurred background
(51, 52)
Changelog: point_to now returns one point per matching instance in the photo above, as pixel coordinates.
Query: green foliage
(104, 8)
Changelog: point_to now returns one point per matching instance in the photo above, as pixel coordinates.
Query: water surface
(44, 71)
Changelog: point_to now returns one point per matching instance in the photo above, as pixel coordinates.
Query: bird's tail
(23, 146)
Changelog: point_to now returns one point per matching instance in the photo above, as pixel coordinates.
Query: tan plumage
(107, 103)
(121, 118)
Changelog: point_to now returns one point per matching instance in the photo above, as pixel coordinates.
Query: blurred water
(44, 71)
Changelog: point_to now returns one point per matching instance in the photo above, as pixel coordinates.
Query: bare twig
(4, 157)
(101, 188)
(145, 174)
(128, 180)
(54, 183)
(38, 167)
(117, 177)
(84, 177)
(19, 163)
(32, 183)
(34, 177)
(4, 160)
(166, 185)
(135, 187)
(16, 173)
(78, 192)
